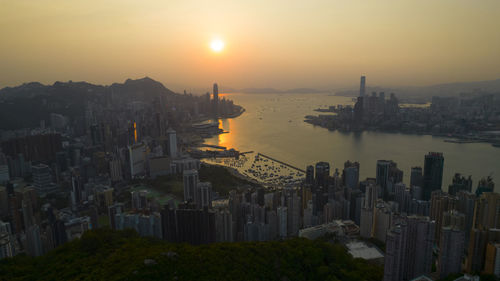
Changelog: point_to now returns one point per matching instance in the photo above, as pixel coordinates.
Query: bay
(273, 124)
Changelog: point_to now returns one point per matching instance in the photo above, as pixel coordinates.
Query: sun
(217, 45)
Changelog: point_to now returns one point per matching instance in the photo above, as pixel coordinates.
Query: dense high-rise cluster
(111, 164)
(82, 163)
(469, 117)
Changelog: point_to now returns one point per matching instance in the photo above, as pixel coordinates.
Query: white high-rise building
(172, 143)
(137, 157)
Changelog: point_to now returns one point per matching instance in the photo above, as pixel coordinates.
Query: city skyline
(264, 140)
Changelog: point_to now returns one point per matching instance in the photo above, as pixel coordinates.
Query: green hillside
(123, 255)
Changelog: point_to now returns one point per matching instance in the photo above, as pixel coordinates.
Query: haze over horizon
(330, 46)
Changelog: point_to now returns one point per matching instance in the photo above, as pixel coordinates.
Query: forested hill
(123, 255)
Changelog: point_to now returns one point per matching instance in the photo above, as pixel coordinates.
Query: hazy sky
(269, 43)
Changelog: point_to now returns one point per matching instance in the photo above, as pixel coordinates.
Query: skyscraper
(395, 249)
(293, 214)
(322, 173)
(383, 176)
(460, 183)
(115, 169)
(282, 221)
(433, 173)
(492, 262)
(216, 93)
(6, 246)
(4, 202)
(195, 226)
(451, 251)
(421, 242)
(203, 194)
(310, 174)
(362, 86)
(382, 220)
(441, 202)
(485, 185)
(487, 214)
(172, 143)
(4, 168)
(190, 184)
(59, 235)
(367, 211)
(137, 159)
(350, 174)
(465, 205)
(416, 177)
(117, 208)
(216, 100)
(42, 179)
(409, 249)
(33, 241)
(485, 229)
(224, 226)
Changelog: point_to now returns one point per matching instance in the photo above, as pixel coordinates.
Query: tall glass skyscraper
(433, 173)
(362, 86)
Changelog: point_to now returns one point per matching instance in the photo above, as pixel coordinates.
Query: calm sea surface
(273, 124)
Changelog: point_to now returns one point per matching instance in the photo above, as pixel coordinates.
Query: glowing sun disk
(217, 45)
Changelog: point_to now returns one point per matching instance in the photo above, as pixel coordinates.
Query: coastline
(227, 116)
(450, 138)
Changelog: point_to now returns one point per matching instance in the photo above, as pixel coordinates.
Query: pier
(281, 162)
(213, 146)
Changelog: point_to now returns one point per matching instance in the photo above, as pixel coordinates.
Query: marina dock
(281, 162)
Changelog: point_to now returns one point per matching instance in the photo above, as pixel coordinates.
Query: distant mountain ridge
(417, 92)
(25, 105)
(143, 87)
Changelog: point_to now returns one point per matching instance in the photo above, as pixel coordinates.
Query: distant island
(468, 117)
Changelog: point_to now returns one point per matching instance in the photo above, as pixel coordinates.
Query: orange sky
(283, 44)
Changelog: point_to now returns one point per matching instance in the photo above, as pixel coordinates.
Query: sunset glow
(255, 43)
(217, 45)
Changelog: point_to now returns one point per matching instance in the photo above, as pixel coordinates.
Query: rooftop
(361, 250)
